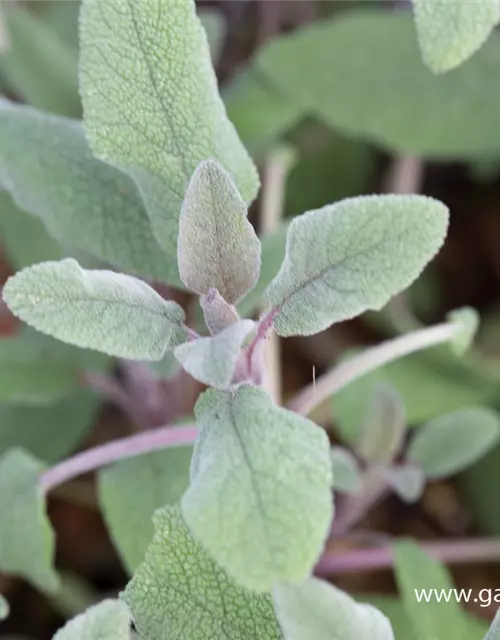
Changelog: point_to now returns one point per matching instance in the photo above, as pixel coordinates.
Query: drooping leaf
(217, 247)
(317, 609)
(352, 256)
(103, 310)
(259, 475)
(46, 163)
(213, 360)
(450, 32)
(39, 66)
(179, 592)
(448, 444)
(494, 630)
(346, 472)
(132, 490)
(407, 481)
(151, 103)
(381, 91)
(218, 313)
(26, 537)
(415, 570)
(108, 620)
(4, 608)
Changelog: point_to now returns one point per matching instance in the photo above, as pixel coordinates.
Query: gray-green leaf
(494, 630)
(407, 481)
(179, 592)
(113, 313)
(26, 537)
(317, 609)
(467, 321)
(346, 471)
(218, 313)
(212, 360)
(108, 620)
(4, 608)
(450, 31)
(217, 246)
(260, 475)
(448, 444)
(151, 103)
(352, 256)
(132, 490)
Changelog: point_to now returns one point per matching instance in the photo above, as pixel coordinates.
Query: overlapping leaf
(108, 620)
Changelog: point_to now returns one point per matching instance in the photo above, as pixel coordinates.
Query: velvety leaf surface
(108, 620)
(179, 592)
(218, 313)
(450, 32)
(259, 475)
(102, 310)
(217, 246)
(346, 472)
(452, 442)
(317, 609)
(152, 105)
(352, 256)
(46, 163)
(26, 537)
(132, 490)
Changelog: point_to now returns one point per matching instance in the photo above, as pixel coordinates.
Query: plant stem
(358, 505)
(105, 454)
(368, 361)
(465, 551)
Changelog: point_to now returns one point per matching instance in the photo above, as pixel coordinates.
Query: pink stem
(263, 329)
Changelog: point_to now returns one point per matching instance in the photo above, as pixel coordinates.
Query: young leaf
(352, 256)
(102, 310)
(151, 103)
(218, 313)
(132, 490)
(407, 481)
(448, 444)
(212, 360)
(451, 32)
(346, 472)
(26, 537)
(494, 630)
(467, 319)
(415, 570)
(384, 427)
(217, 246)
(317, 609)
(4, 608)
(47, 165)
(179, 592)
(108, 620)
(259, 475)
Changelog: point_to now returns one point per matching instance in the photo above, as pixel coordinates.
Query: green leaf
(4, 608)
(151, 103)
(494, 630)
(479, 488)
(260, 476)
(217, 247)
(213, 360)
(102, 310)
(451, 32)
(108, 620)
(384, 427)
(179, 592)
(166, 368)
(346, 472)
(26, 537)
(352, 256)
(39, 66)
(317, 609)
(218, 313)
(407, 481)
(132, 490)
(381, 91)
(467, 319)
(47, 165)
(415, 570)
(448, 444)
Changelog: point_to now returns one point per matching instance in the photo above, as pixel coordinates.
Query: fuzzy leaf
(468, 321)
(39, 66)
(212, 360)
(26, 537)
(46, 163)
(352, 256)
(218, 313)
(448, 444)
(4, 608)
(151, 103)
(383, 429)
(407, 481)
(132, 490)
(108, 620)
(317, 609)
(346, 472)
(494, 630)
(449, 32)
(217, 247)
(179, 592)
(102, 310)
(259, 475)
